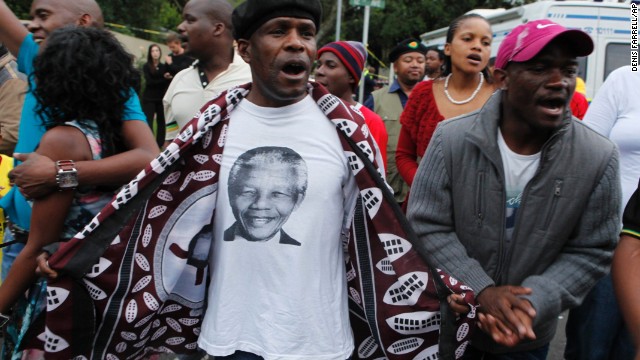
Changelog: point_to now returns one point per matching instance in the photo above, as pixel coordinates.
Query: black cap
(406, 46)
(251, 14)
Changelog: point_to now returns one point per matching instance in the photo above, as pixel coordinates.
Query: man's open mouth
(553, 103)
(294, 68)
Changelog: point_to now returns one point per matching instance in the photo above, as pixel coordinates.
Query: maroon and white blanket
(133, 283)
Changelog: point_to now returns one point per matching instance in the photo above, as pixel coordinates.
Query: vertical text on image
(634, 36)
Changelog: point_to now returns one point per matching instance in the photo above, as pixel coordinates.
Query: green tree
(141, 17)
(399, 20)
(179, 4)
(20, 8)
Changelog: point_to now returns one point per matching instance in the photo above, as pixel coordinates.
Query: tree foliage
(400, 19)
(20, 7)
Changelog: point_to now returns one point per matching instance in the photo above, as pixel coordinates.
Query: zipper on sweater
(479, 199)
(501, 251)
(557, 191)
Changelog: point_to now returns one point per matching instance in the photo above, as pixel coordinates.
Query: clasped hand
(506, 316)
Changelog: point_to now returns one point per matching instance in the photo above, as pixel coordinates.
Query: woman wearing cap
(464, 87)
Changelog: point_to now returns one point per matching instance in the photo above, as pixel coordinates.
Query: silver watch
(67, 176)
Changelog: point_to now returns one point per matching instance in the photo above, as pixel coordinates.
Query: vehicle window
(582, 67)
(617, 55)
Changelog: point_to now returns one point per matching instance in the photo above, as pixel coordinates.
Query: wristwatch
(67, 176)
(3, 320)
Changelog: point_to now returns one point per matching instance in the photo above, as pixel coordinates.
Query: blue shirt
(394, 88)
(32, 128)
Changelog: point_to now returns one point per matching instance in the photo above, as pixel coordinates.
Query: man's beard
(410, 82)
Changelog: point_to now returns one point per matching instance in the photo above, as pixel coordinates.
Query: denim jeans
(596, 330)
(535, 354)
(240, 355)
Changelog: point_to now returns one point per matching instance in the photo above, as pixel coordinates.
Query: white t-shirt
(278, 284)
(518, 170)
(615, 113)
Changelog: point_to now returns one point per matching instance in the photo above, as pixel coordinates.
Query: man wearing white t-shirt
(519, 200)
(283, 166)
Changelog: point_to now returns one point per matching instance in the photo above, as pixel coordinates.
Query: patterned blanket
(134, 281)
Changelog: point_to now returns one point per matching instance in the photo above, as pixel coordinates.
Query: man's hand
(36, 176)
(503, 303)
(500, 333)
(167, 75)
(168, 60)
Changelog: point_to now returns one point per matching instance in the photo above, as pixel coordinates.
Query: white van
(609, 25)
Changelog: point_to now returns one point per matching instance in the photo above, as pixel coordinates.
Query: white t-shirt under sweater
(518, 170)
(615, 113)
(278, 284)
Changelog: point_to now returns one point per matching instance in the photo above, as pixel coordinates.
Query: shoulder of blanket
(348, 120)
(333, 107)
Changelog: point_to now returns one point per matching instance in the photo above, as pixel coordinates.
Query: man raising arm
(37, 175)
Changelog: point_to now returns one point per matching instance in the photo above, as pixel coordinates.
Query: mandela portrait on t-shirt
(266, 185)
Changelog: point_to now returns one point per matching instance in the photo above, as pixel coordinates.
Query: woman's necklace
(462, 102)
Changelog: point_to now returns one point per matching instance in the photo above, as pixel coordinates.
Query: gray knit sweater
(566, 228)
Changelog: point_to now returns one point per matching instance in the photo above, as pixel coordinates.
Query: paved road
(556, 350)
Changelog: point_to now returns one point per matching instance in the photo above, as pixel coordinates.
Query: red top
(579, 105)
(377, 129)
(419, 120)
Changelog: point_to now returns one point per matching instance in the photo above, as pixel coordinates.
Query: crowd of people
(238, 210)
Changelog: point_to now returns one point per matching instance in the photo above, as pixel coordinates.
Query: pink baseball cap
(527, 40)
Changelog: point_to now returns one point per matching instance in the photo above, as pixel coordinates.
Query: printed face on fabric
(197, 28)
(265, 186)
(49, 15)
(410, 68)
(281, 53)
(332, 73)
(539, 90)
(470, 48)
